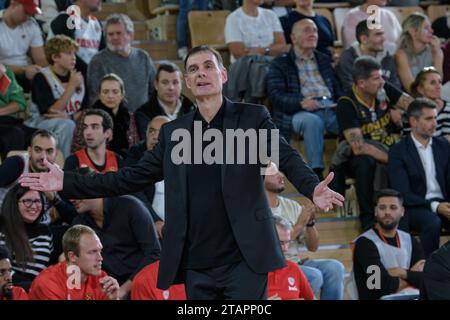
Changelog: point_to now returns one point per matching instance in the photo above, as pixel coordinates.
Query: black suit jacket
(407, 175)
(242, 186)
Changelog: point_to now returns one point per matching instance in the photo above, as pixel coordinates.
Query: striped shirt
(41, 242)
(443, 122)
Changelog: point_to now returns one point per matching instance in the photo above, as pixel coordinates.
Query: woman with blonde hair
(428, 85)
(417, 48)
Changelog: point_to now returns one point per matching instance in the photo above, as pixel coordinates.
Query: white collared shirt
(426, 156)
(171, 116)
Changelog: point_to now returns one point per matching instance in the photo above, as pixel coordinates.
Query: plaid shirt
(311, 81)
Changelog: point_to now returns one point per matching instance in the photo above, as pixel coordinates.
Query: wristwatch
(311, 224)
(266, 51)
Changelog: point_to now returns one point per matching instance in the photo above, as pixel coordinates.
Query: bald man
(303, 89)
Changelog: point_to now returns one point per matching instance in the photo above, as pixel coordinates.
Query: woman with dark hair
(111, 98)
(428, 84)
(29, 241)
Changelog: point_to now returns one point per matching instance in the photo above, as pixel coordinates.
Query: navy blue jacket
(284, 91)
(407, 175)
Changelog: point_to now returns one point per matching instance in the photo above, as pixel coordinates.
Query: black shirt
(366, 254)
(376, 125)
(128, 236)
(210, 240)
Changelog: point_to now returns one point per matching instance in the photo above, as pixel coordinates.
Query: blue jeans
(312, 126)
(327, 275)
(182, 19)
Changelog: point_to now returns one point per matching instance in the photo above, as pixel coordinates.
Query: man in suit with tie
(219, 237)
(419, 168)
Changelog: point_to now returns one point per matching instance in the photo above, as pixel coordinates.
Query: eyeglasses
(283, 243)
(29, 202)
(427, 69)
(3, 272)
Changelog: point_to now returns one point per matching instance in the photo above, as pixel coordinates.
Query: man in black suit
(219, 237)
(419, 168)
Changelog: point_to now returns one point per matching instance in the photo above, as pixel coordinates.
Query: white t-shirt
(15, 43)
(254, 32)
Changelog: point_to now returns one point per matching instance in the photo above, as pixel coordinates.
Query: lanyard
(384, 239)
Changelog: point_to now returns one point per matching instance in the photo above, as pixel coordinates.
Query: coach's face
(204, 76)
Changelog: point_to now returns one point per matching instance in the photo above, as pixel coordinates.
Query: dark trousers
(229, 282)
(428, 224)
(362, 169)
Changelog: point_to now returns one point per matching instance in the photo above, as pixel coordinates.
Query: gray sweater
(137, 71)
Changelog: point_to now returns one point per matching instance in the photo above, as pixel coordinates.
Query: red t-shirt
(18, 294)
(52, 284)
(144, 286)
(289, 283)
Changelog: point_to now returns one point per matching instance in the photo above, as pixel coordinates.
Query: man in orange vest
(97, 131)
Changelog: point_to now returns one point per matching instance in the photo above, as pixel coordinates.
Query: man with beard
(419, 168)
(133, 65)
(7, 290)
(43, 146)
(326, 275)
(88, 34)
(393, 256)
(97, 131)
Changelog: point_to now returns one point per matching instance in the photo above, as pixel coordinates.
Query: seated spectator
(397, 254)
(326, 275)
(89, 35)
(82, 269)
(441, 27)
(418, 48)
(7, 290)
(306, 104)
(21, 231)
(419, 168)
(166, 99)
(370, 42)
(288, 283)
(20, 34)
(112, 100)
(126, 230)
(42, 150)
(387, 19)
(97, 129)
(436, 275)
(446, 64)
(153, 195)
(304, 9)
(251, 30)
(428, 85)
(182, 26)
(14, 134)
(367, 132)
(58, 92)
(50, 10)
(133, 65)
(144, 286)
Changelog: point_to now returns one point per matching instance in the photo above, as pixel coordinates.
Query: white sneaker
(182, 53)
